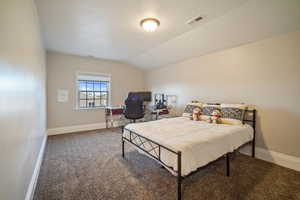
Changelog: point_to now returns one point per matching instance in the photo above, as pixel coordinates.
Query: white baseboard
(281, 159)
(36, 172)
(77, 128)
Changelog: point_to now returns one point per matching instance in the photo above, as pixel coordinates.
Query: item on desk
(160, 101)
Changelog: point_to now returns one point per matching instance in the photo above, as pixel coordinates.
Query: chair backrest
(134, 108)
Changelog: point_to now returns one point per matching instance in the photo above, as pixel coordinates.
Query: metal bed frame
(139, 142)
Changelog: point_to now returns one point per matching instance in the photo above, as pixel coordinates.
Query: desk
(110, 111)
(158, 112)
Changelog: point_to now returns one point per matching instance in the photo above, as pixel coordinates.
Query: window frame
(77, 88)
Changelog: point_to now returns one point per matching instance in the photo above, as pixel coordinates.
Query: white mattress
(199, 142)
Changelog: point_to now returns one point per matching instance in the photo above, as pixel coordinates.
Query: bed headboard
(249, 114)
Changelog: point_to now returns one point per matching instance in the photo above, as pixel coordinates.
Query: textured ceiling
(110, 29)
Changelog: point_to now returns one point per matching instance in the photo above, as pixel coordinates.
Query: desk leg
(106, 120)
(111, 119)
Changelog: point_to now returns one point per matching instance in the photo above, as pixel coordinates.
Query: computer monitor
(145, 96)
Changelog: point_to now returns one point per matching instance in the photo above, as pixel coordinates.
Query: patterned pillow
(188, 110)
(209, 108)
(232, 113)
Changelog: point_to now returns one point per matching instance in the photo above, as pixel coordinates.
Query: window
(93, 90)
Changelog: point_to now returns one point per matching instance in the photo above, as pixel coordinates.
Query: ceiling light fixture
(150, 24)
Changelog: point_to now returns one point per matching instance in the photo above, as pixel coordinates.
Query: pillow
(232, 114)
(208, 108)
(188, 110)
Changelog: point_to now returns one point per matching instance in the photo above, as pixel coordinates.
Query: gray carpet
(89, 166)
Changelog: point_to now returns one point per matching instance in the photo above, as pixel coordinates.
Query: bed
(182, 146)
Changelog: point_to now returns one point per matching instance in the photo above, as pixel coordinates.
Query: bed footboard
(154, 151)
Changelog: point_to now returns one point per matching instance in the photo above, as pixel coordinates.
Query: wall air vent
(194, 20)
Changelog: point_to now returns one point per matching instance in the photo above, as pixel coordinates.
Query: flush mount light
(150, 24)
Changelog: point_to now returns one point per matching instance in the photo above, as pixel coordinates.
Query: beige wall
(22, 96)
(264, 73)
(61, 71)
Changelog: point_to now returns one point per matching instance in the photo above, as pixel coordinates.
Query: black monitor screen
(145, 96)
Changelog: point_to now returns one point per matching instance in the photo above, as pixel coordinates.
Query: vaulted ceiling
(111, 30)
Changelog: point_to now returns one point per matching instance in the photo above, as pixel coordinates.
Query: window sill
(83, 109)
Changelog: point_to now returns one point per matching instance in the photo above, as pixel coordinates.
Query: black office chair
(134, 108)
